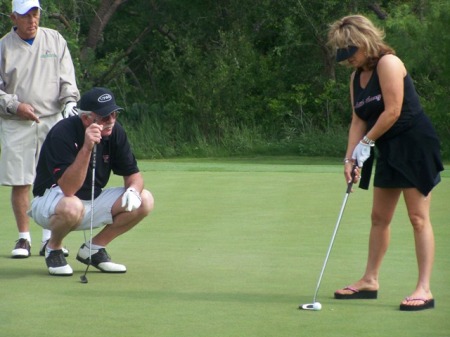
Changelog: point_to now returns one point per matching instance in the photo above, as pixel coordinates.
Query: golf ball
(317, 306)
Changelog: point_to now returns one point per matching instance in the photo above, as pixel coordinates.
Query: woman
(387, 115)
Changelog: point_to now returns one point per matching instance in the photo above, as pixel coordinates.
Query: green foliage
(421, 42)
(5, 21)
(331, 143)
(200, 77)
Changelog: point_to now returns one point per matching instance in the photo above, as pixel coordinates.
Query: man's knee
(71, 208)
(147, 202)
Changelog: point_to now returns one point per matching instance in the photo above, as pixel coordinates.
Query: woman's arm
(391, 73)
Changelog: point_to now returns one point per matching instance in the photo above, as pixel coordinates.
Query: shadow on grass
(11, 273)
(293, 301)
(33, 266)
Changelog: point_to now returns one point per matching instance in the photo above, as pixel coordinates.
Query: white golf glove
(70, 110)
(361, 153)
(131, 200)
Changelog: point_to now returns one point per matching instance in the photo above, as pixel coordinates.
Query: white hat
(23, 6)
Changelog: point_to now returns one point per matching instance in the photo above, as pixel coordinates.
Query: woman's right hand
(349, 167)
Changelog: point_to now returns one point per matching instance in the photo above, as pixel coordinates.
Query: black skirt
(410, 159)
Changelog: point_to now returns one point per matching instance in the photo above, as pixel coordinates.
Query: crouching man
(64, 192)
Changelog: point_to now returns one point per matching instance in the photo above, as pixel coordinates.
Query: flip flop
(357, 294)
(427, 304)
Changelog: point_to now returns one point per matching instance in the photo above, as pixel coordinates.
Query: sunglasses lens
(344, 53)
(112, 115)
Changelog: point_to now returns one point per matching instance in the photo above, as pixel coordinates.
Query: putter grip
(350, 184)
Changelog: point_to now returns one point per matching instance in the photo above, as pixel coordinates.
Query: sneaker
(44, 245)
(100, 260)
(57, 264)
(21, 250)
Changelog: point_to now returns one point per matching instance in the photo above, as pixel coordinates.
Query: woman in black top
(387, 116)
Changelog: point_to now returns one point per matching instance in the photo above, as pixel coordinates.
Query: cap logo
(104, 98)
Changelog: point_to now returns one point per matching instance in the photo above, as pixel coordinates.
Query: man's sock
(46, 233)
(93, 246)
(25, 235)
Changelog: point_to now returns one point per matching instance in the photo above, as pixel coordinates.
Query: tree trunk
(102, 16)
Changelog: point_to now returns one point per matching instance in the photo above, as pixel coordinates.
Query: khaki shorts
(21, 143)
(42, 208)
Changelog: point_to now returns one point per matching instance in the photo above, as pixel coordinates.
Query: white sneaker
(57, 264)
(100, 260)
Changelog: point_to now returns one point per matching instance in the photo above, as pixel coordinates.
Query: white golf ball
(317, 306)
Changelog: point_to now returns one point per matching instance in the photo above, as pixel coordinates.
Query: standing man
(66, 195)
(37, 82)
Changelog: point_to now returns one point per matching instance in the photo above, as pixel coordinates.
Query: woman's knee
(380, 219)
(418, 220)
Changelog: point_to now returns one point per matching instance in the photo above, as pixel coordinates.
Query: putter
(316, 305)
(83, 278)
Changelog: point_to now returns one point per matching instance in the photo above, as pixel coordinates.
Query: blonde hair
(359, 31)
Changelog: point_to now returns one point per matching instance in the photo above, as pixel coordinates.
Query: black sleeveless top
(369, 104)
(411, 146)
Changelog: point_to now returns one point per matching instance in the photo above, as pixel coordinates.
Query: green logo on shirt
(48, 54)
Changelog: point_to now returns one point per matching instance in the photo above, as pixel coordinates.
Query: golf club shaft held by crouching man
(63, 197)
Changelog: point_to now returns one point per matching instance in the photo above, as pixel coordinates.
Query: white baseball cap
(23, 6)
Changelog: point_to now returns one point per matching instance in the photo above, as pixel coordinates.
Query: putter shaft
(336, 227)
(83, 278)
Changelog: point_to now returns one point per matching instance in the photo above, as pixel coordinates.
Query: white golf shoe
(57, 264)
(100, 260)
(21, 250)
(44, 245)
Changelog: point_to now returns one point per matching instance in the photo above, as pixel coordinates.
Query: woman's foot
(418, 300)
(359, 286)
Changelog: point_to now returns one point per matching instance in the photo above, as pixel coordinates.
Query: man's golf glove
(361, 153)
(70, 110)
(131, 200)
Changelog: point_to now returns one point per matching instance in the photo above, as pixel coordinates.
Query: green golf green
(232, 248)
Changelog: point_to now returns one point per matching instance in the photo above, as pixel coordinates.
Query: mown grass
(231, 249)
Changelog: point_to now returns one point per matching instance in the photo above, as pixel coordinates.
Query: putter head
(83, 278)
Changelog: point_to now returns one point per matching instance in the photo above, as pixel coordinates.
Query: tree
(240, 74)
(100, 20)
